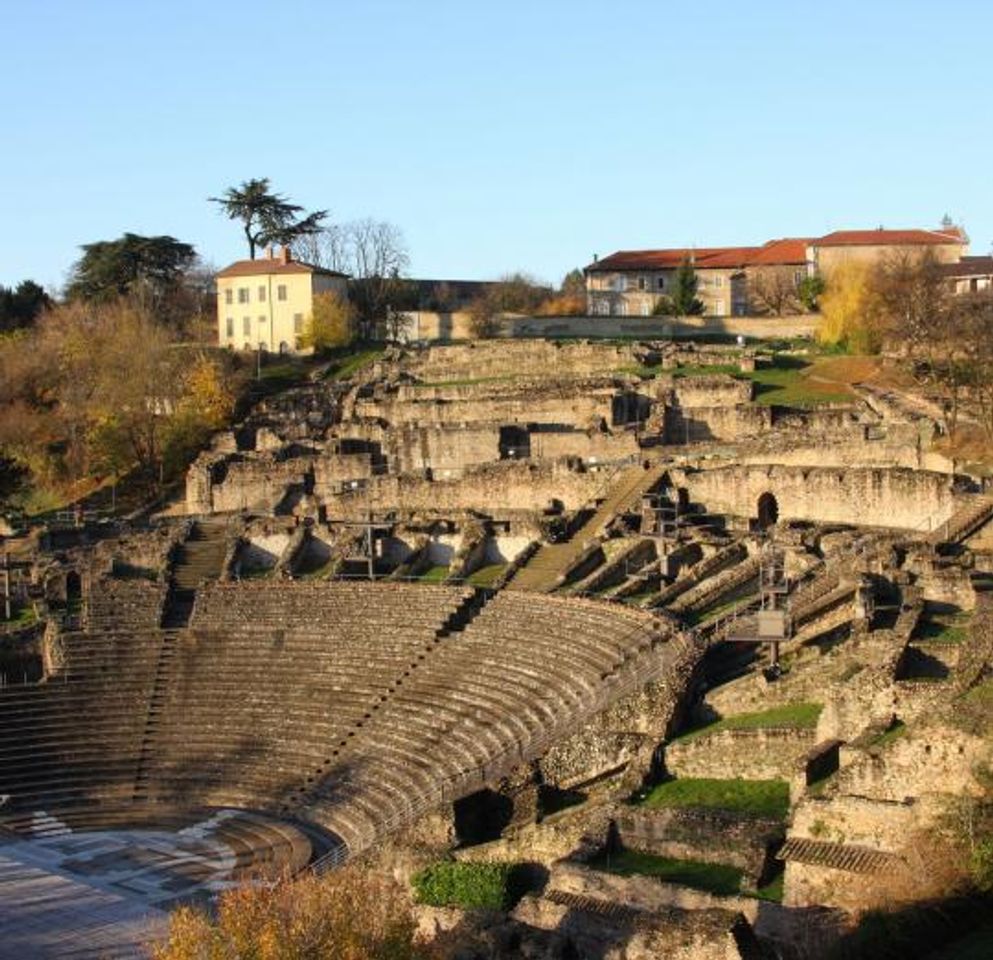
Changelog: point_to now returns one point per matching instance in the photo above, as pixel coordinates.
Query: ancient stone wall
(505, 486)
(767, 754)
(914, 500)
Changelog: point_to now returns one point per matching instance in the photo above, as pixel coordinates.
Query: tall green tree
(21, 305)
(684, 286)
(131, 265)
(267, 217)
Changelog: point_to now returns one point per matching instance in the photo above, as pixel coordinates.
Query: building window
(229, 295)
(262, 294)
(246, 326)
(661, 283)
(230, 327)
(798, 276)
(718, 281)
(281, 292)
(646, 310)
(718, 308)
(242, 294)
(262, 320)
(298, 323)
(642, 283)
(247, 346)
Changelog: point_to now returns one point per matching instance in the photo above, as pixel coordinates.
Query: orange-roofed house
(947, 245)
(631, 282)
(264, 304)
(739, 281)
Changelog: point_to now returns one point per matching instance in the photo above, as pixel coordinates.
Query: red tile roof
(788, 251)
(784, 252)
(265, 266)
(854, 238)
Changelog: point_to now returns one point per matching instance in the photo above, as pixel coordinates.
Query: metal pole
(6, 585)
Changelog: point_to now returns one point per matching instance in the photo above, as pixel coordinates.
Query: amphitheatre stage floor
(99, 894)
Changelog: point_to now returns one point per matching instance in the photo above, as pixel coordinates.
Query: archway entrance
(768, 511)
(74, 587)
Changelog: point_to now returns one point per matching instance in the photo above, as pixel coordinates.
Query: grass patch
(22, 616)
(696, 617)
(895, 731)
(463, 383)
(352, 363)
(759, 798)
(773, 890)
(950, 628)
(716, 878)
(706, 370)
(973, 711)
(435, 574)
(793, 381)
(486, 886)
(486, 576)
(790, 716)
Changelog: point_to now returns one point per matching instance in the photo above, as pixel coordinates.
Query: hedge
(490, 886)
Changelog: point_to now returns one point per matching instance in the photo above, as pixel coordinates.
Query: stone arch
(74, 586)
(767, 511)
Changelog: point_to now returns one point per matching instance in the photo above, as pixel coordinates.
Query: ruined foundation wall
(877, 497)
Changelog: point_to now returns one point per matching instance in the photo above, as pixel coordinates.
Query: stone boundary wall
(429, 325)
(866, 496)
(769, 754)
(864, 821)
(708, 835)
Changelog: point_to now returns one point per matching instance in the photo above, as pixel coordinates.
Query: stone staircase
(199, 558)
(542, 572)
(964, 522)
(163, 671)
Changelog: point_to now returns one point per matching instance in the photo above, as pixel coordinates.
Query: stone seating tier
(341, 702)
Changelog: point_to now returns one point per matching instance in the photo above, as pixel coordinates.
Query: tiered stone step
(199, 559)
(837, 856)
(964, 522)
(542, 572)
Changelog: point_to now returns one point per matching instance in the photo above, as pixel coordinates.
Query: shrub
(487, 886)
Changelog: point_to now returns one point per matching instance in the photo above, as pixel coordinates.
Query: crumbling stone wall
(865, 496)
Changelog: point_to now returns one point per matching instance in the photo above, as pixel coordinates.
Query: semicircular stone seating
(354, 705)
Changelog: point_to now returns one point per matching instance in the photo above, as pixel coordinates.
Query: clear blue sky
(497, 135)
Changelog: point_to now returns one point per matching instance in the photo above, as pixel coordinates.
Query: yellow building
(265, 303)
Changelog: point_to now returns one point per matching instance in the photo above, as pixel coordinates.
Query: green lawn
(764, 798)
(785, 383)
(486, 576)
(716, 878)
(790, 716)
(706, 370)
(352, 363)
(435, 574)
(944, 628)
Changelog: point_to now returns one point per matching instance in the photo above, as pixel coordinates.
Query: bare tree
(327, 248)
(773, 290)
(379, 260)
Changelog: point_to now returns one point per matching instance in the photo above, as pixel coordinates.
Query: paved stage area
(106, 894)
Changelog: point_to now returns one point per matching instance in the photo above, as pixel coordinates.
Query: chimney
(596, 257)
(284, 254)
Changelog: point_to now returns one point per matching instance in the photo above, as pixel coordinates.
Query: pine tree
(684, 286)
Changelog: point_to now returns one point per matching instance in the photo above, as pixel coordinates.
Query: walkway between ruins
(541, 573)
